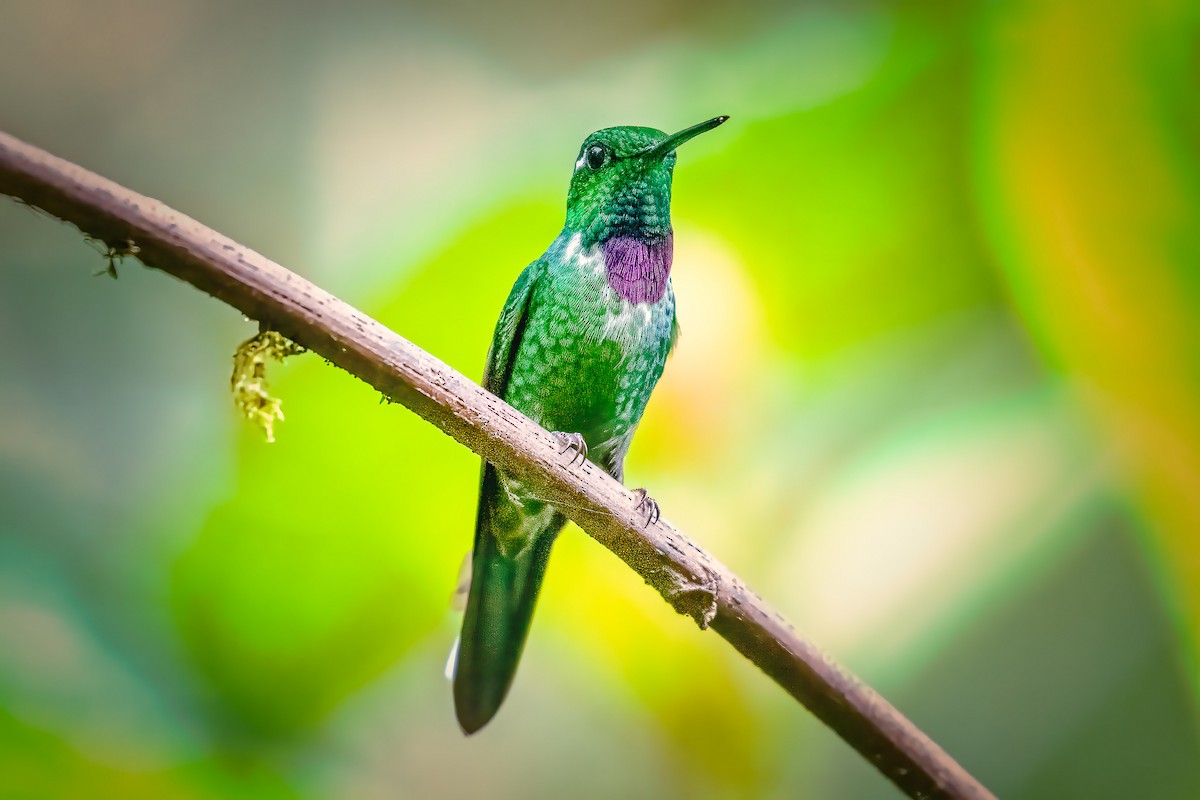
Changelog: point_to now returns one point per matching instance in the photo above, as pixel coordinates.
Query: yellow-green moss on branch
(249, 378)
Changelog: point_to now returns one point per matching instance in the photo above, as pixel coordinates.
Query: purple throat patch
(638, 270)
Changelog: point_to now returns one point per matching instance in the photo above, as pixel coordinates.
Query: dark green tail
(500, 605)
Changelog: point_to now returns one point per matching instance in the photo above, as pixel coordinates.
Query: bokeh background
(937, 396)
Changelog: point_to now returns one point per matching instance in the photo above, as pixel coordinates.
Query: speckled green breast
(588, 359)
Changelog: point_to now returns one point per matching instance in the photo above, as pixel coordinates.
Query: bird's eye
(596, 156)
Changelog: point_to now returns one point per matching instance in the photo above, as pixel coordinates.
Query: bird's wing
(503, 587)
(509, 329)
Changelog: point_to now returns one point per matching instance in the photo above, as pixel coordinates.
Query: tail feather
(500, 605)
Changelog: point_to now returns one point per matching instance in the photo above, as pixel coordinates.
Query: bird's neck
(636, 263)
(637, 267)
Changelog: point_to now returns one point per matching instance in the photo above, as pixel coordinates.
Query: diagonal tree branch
(691, 580)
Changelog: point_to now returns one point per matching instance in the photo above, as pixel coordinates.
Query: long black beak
(661, 149)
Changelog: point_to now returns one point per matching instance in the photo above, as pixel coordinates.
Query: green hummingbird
(579, 346)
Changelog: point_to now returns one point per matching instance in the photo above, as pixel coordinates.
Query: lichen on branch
(249, 379)
(113, 254)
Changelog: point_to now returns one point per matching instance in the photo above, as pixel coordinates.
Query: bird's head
(622, 182)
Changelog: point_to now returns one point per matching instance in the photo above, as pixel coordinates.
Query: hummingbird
(579, 346)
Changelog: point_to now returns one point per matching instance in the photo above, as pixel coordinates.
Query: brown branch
(691, 580)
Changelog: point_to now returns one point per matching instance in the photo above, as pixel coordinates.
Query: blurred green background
(937, 396)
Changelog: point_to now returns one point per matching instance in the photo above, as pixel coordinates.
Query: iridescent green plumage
(579, 347)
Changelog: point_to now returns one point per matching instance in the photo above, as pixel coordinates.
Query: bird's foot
(648, 506)
(574, 443)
